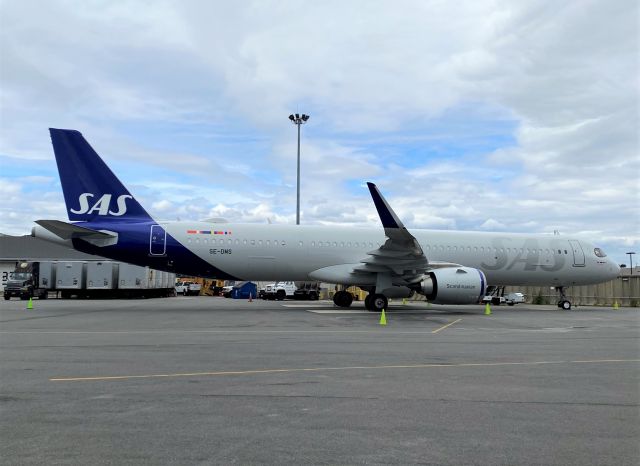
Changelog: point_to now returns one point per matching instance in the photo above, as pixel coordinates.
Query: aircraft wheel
(377, 302)
(367, 302)
(280, 295)
(342, 299)
(313, 296)
(566, 305)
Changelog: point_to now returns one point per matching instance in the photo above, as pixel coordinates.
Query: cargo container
(71, 275)
(102, 275)
(133, 277)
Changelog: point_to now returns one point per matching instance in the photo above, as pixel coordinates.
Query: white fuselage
(284, 252)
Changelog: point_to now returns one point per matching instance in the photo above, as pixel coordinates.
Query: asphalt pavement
(201, 380)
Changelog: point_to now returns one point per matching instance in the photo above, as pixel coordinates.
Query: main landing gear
(342, 298)
(376, 302)
(564, 303)
(373, 302)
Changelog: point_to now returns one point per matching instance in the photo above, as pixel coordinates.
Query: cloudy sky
(476, 115)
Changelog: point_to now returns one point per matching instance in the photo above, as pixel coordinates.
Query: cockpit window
(599, 252)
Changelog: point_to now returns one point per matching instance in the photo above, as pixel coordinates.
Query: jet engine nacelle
(454, 285)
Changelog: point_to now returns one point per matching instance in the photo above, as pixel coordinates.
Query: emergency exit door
(158, 241)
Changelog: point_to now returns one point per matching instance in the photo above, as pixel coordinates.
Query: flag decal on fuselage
(207, 232)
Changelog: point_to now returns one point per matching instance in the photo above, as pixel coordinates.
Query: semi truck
(29, 280)
(307, 291)
(87, 279)
(279, 291)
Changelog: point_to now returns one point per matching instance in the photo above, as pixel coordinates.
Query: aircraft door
(578, 253)
(157, 241)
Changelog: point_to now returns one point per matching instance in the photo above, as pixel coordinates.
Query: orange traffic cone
(250, 298)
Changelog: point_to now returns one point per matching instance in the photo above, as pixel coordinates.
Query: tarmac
(201, 380)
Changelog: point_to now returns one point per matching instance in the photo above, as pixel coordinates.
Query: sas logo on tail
(102, 205)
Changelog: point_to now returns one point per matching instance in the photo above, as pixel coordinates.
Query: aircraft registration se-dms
(448, 267)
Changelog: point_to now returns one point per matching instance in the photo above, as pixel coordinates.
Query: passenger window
(565, 251)
(313, 244)
(244, 241)
(335, 245)
(253, 242)
(268, 243)
(349, 244)
(260, 242)
(283, 243)
(300, 243)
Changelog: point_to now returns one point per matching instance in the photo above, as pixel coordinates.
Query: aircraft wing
(401, 256)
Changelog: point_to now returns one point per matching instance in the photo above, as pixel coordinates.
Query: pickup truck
(511, 299)
(188, 288)
(226, 291)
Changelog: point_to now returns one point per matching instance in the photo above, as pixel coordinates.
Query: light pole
(298, 120)
(631, 261)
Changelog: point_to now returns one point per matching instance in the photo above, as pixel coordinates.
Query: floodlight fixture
(298, 121)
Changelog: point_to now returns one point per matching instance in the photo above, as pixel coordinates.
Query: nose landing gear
(563, 303)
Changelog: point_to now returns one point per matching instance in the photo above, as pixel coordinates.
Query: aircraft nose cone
(615, 269)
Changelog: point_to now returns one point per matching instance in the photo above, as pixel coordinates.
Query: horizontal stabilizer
(68, 231)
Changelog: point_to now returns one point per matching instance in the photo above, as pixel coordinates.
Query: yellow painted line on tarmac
(445, 326)
(324, 369)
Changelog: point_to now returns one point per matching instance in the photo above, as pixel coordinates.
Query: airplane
(448, 267)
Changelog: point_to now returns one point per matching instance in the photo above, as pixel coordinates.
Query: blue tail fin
(91, 190)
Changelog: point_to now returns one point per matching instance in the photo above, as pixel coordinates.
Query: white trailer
(70, 275)
(47, 275)
(133, 277)
(102, 275)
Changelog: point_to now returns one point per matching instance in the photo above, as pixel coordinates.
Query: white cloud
(376, 80)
